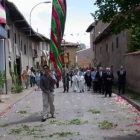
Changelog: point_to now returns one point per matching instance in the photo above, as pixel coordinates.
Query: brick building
(110, 49)
(85, 58)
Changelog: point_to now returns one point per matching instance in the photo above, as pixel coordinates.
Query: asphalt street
(79, 116)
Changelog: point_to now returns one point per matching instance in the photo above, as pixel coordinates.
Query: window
(100, 49)
(8, 33)
(107, 48)
(15, 38)
(112, 46)
(25, 49)
(117, 42)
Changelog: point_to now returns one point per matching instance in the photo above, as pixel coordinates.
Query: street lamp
(46, 2)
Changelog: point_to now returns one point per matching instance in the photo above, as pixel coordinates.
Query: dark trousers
(101, 87)
(95, 86)
(108, 89)
(121, 87)
(32, 81)
(66, 86)
(57, 84)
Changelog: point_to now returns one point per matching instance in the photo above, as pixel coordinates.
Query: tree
(81, 46)
(124, 13)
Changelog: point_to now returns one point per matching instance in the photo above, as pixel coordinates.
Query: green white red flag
(2, 15)
(57, 31)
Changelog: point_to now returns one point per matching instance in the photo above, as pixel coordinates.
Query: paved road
(23, 121)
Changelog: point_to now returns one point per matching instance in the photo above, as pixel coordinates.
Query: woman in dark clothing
(88, 79)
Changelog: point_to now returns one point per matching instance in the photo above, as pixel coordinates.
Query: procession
(69, 70)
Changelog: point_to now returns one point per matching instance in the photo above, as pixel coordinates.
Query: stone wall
(132, 64)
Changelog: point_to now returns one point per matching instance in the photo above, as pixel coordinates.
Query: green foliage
(4, 125)
(77, 122)
(27, 130)
(135, 39)
(121, 12)
(72, 122)
(107, 125)
(94, 111)
(81, 46)
(62, 134)
(16, 84)
(21, 112)
(2, 80)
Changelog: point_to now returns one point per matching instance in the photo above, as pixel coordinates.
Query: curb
(131, 102)
(10, 106)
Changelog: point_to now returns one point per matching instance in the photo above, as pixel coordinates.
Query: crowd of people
(31, 77)
(81, 79)
(99, 79)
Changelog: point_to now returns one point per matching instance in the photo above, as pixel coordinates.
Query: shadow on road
(123, 138)
(33, 118)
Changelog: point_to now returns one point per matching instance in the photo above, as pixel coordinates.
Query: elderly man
(108, 79)
(100, 78)
(121, 80)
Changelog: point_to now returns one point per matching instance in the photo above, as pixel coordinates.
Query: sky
(77, 21)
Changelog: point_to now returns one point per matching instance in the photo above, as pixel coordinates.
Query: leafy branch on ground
(94, 111)
(57, 122)
(27, 130)
(72, 122)
(77, 122)
(3, 125)
(64, 134)
(107, 125)
(21, 112)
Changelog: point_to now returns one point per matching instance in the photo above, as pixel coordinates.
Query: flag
(57, 31)
(2, 15)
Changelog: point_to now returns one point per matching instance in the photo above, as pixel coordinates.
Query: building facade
(23, 46)
(70, 49)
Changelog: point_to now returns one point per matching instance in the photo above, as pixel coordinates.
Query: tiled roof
(69, 44)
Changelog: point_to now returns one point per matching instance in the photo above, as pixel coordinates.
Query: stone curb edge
(131, 102)
(10, 106)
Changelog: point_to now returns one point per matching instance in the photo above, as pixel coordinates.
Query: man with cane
(47, 82)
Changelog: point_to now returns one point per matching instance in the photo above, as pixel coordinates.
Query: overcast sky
(78, 18)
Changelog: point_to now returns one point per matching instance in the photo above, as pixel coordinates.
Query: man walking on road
(47, 82)
(121, 80)
(65, 79)
(108, 78)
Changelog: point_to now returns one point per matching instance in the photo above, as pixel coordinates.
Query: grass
(94, 111)
(135, 97)
(107, 125)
